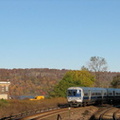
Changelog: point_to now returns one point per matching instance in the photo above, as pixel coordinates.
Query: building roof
(3, 82)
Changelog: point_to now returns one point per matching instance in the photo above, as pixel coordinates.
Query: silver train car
(82, 96)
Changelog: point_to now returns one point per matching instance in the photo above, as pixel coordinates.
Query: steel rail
(116, 115)
(45, 114)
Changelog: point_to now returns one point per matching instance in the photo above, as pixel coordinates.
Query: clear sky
(60, 34)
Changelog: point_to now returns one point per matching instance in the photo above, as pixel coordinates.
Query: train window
(78, 91)
(74, 93)
(69, 92)
(98, 93)
(110, 93)
(104, 93)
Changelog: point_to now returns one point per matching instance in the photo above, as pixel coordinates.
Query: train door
(82, 94)
(113, 95)
(102, 97)
(102, 94)
(89, 94)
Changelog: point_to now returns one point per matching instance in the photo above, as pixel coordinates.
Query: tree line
(51, 81)
(91, 76)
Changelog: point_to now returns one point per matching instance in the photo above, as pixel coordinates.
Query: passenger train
(82, 96)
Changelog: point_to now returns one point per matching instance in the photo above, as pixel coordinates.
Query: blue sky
(60, 34)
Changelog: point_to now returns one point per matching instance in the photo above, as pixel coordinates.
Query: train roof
(87, 88)
(95, 88)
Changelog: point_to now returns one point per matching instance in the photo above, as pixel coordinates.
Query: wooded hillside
(40, 81)
(31, 81)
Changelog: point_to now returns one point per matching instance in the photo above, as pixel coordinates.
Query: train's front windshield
(74, 93)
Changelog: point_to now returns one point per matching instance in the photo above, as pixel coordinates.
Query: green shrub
(3, 103)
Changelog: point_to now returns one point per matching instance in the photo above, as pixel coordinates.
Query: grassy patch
(11, 107)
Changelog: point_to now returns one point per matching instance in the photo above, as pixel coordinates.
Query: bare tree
(98, 65)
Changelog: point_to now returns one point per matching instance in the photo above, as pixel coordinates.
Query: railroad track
(116, 115)
(33, 112)
(108, 113)
(63, 114)
(105, 112)
(46, 114)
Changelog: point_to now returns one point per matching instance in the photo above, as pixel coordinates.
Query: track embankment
(82, 113)
(107, 113)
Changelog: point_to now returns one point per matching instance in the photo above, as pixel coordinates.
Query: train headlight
(69, 98)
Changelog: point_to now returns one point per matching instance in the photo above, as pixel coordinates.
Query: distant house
(4, 90)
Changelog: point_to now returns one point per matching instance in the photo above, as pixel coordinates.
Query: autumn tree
(116, 82)
(72, 78)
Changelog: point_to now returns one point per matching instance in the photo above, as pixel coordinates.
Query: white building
(4, 90)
